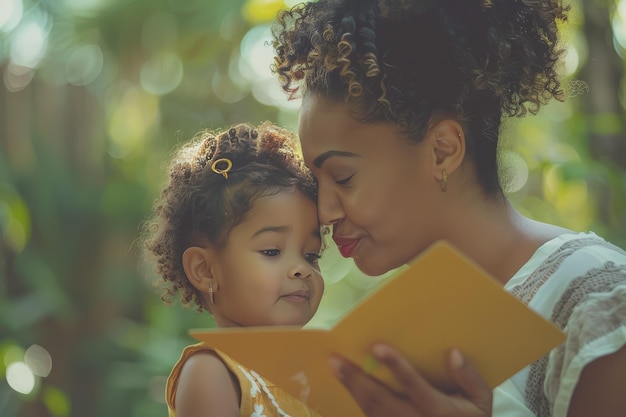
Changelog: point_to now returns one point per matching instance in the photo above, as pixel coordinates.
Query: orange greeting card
(442, 301)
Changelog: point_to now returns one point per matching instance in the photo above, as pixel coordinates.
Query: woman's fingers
(420, 398)
(471, 382)
(421, 393)
(374, 399)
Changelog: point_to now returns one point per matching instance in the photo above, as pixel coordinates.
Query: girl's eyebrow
(275, 229)
(321, 158)
(316, 233)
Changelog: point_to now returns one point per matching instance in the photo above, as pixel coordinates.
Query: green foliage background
(86, 125)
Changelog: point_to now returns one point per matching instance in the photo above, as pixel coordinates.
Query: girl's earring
(211, 294)
(444, 181)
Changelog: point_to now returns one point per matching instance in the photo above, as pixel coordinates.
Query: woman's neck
(496, 236)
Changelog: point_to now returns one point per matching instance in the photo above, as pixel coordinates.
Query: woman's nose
(329, 207)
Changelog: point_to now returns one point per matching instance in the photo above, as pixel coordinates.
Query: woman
(402, 105)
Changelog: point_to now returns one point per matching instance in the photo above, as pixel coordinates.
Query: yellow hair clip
(222, 171)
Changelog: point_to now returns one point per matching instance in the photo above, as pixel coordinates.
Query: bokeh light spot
(10, 14)
(261, 11)
(20, 377)
(256, 55)
(619, 28)
(226, 90)
(12, 353)
(17, 77)
(15, 222)
(57, 402)
(29, 43)
(574, 206)
(85, 7)
(572, 60)
(560, 153)
(568, 192)
(84, 65)
(38, 360)
(162, 73)
(133, 113)
(551, 182)
(513, 172)
(255, 66)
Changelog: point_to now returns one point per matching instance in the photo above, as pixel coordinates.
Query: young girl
(402, 105)
(235, 231)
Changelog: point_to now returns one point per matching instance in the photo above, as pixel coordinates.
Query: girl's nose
(301, 271)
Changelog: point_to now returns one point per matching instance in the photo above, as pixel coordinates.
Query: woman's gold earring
(211, 294)
(444, 181)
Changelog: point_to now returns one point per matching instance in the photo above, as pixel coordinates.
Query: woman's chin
(368, 267)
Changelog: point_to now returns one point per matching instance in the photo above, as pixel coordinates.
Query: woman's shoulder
(578, 282)
(565, 270)
(588, 244)
(583, 256)
(567, 256)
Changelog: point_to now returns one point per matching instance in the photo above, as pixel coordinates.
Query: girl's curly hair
(401, 61)
(199, 206)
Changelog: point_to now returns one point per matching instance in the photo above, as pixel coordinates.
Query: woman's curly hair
(199, 206)
(401, 61)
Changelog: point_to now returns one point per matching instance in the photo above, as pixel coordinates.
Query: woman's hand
(420, 398)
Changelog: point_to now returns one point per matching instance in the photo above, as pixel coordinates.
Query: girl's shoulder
(202, 380)
(201, 377)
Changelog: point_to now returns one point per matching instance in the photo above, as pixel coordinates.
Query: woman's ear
(448, 145)
(198, 266)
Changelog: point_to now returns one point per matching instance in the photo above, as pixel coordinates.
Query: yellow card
(442, 301)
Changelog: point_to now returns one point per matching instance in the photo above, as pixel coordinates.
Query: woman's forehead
(323, 119)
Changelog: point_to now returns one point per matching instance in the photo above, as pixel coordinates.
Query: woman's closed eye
(344, 181)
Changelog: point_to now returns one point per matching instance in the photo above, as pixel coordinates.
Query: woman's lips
(346, 245)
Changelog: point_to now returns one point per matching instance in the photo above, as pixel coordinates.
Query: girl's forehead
(286, 206)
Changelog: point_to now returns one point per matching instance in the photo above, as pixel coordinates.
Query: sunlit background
(93, 97)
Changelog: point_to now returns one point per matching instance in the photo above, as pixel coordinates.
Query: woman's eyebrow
(321, 158)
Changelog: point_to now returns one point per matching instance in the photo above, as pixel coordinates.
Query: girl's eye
(344, 181)
(270, 252)
(312, 257)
